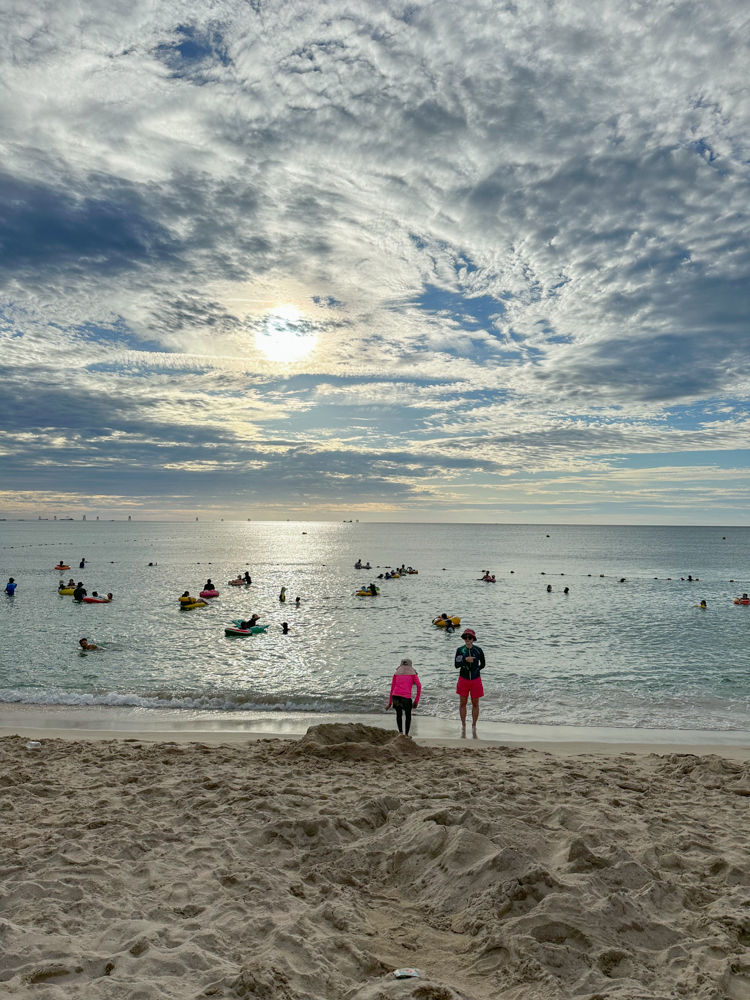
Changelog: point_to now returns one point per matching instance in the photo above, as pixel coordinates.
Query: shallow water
(614, 654)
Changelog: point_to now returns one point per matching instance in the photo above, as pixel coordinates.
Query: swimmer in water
(567, 590)
(285, 628)
(549, 588)
(703, 604)
(85, 644)
(297, 601)
(448, 623)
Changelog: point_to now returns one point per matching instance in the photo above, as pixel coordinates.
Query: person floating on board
(469, 661)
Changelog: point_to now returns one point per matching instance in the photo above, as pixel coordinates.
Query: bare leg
(474, 712)
(462, 709)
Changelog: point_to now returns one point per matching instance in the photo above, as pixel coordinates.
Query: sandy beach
(315, 866)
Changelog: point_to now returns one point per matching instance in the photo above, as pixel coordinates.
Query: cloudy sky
(411, 261)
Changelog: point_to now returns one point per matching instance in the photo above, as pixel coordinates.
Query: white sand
(313, 867)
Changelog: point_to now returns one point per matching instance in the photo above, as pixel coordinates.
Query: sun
(285, 335)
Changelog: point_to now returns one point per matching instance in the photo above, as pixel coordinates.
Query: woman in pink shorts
(469, 662)
(403, 681)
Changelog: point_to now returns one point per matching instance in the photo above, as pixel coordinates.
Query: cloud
(519, 234)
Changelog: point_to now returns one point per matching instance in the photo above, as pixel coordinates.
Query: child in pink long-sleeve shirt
(401, 686)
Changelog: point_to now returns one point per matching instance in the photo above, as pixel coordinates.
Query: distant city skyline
(380, 261)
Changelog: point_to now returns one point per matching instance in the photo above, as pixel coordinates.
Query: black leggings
(402, 705)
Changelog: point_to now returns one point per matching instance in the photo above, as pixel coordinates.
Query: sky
(421, 261)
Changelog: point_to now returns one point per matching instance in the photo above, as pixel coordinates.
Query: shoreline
(91, 723)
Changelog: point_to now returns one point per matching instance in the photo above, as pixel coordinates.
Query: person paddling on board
(469, 661)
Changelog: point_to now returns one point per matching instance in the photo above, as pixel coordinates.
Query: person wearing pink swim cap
(469, 661)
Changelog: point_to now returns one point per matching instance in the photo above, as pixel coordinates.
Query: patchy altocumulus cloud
(518, 236)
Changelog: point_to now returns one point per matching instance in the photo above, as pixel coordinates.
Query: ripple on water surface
(609, 653)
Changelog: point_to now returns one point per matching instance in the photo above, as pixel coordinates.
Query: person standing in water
(80, 592)
(469, 661)
(282, 595)
(10, 587)
(403, 681)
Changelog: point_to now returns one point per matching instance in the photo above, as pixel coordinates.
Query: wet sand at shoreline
(102, 723)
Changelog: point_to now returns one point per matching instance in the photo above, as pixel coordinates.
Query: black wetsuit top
(469, 673)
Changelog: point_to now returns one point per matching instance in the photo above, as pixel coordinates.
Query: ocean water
(634, 654)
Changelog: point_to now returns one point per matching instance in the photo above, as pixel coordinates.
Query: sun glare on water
(285, 335)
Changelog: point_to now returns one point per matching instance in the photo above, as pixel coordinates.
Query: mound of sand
(164, 872)
(354, 741)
